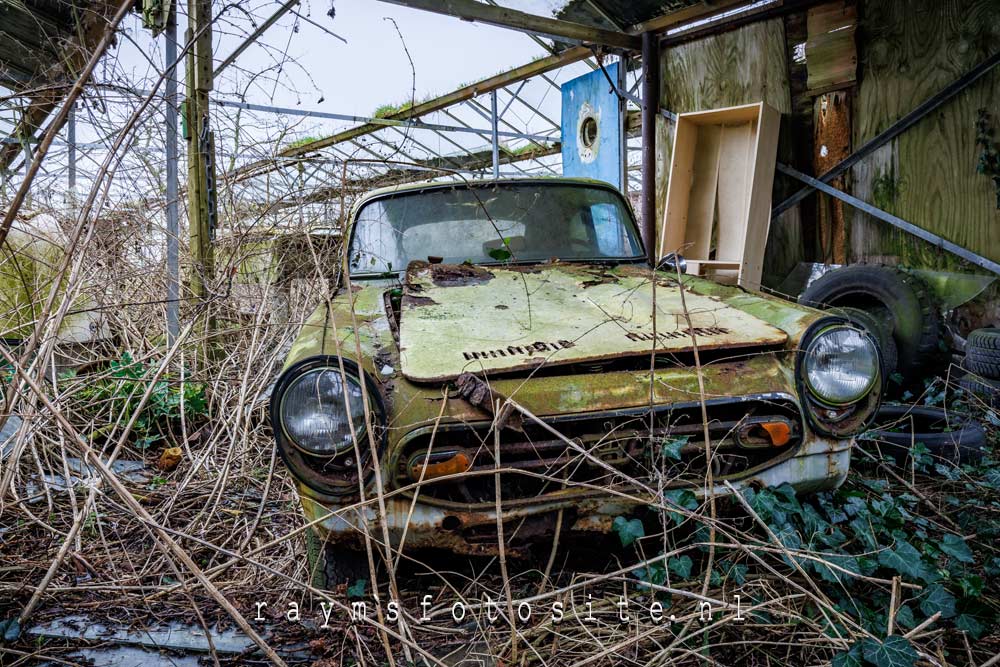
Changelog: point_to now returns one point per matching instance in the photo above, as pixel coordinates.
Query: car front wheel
(332, 565)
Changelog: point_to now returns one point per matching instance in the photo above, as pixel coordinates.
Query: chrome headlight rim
(360, 429)
(872, 381)
(848, 419)
(329, 475)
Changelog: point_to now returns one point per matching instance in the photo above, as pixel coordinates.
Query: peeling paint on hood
(463, 318)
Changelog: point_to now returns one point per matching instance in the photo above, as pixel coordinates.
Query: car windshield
(491, 223)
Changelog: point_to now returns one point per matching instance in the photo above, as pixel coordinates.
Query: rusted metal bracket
(478, 393)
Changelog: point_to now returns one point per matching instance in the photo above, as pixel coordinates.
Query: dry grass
(109, 548)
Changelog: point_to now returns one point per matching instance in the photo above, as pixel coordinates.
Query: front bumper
(817, 464)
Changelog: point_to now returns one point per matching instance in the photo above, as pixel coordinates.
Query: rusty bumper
(818, 464)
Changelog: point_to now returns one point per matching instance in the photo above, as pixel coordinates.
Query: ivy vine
(989, 156)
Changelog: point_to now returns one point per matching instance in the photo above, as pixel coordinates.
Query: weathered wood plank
(831, 56)
(831, 144)
(927, 175)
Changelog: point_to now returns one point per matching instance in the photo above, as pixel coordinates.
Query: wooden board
(831, 56)
(928, 175)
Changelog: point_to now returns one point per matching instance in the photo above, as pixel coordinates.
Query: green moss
(521, 150)
(302, 142)
(386, 110)
(886, 188)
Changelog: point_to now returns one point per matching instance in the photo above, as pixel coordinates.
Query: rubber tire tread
(982, 353)
(330, 567)
(984, 389)
(962, 445)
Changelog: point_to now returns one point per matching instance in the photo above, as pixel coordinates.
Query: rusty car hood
(458, 318)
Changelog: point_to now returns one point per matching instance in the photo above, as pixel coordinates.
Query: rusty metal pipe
(650, 108)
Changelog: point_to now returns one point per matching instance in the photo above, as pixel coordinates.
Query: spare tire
(893, 296)
(982, 353)
(983, 391)
(918, 423)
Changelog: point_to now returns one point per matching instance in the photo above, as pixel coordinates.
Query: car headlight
(841, 365)
(318, 408)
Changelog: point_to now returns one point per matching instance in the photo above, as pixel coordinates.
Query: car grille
(611, 450)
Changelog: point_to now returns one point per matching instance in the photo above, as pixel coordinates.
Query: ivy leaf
(739, 574)
(629, 530)
(851, 658)
(672, 447)
(654, 574)
(955, 546)
(905, 559)
(681, 566)
(683, 498)
(938, 600)
(972, 586)
(904, 616)
(970, 625)
(500, 254)
(894, 651)
(357, 589)
(10, 630)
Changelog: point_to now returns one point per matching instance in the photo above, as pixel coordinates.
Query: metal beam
(495, 139)
(462, 94)
(470, 10)
(650, 107)
(384, 122)
(897, 222)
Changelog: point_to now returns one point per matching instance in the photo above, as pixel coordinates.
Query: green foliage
(672, 447)
(955, 546)
(357, 589)
(873, 530)
(894, 651)
(989, 154)
(682, 498)
(298, 143)
(114, 399)
(628, 530)
(502, 254)
(681, 566)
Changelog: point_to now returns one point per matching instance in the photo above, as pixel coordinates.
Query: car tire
(332, 565)
(963, 444)
(982, 390)
(982, 353)
(890, 295)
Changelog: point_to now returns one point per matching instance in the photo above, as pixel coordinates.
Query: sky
(321, 72)
(371, 69)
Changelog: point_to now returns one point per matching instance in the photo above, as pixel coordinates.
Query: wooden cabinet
(719, 194)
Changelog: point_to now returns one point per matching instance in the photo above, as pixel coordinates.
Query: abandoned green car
(506, 344)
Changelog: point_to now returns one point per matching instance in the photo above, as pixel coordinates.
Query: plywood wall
(909, 51)
(739, 67)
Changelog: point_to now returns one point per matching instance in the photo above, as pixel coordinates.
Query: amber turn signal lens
(780, 432)
(457, 463)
